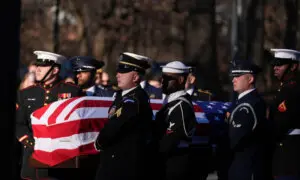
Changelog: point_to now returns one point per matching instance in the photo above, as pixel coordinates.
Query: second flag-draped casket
(68, 128)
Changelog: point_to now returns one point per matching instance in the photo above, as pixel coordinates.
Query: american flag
(68, 128)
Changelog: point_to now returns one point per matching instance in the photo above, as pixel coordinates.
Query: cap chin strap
(286, 72)
(48, 72)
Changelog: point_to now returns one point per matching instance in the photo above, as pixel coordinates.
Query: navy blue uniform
(29, 100)
(100, 91)
(123, 140)
(248, 138)
(153, 92)
(175, 124)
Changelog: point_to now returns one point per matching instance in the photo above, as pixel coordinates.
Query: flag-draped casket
(68, 128)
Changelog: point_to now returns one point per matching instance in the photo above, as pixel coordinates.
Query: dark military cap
(285, 56)
(244, 67)
(45, 58)
(85, 63)
(132, 62)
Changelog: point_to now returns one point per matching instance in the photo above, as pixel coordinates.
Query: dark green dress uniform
(29, 100)
(123, 140)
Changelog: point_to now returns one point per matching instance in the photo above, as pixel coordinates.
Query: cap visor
(119, 70)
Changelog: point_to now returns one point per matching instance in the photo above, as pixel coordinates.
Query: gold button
(47, 91)
(47, 97)
(45, 104)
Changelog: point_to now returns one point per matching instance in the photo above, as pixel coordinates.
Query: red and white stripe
(68, 128)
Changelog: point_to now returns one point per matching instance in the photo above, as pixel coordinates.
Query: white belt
(294, 132)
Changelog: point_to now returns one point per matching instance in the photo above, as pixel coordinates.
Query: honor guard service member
(284, 115)
(175, 123)
(191, 88)
(153, 92)
(247, 126)
(124, 138)
(85, 68)
(49, 87)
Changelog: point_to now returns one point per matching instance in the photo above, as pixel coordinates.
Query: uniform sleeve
(22, 129)
(118, 124)
(287, 111)
(243, 121)
(179, 127)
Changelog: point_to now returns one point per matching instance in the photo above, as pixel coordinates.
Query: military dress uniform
(175, 125)
(99, 91)
(284, 113)
(124, 139)
(248, 132)
(31, 99)
(153, 92)
(199, 94)
(90, 64)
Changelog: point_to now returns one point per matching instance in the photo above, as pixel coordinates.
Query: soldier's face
(98, 78)
(105, 79)
(127, 80)
(41, 71)
(279, 71)
(170, 83)
(83, 78)
(242, 83)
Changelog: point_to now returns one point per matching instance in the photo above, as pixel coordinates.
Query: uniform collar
(90, 91)
(172, 97)
(143, 84)
(191, 90)
(48, 86)
(124, 92)
(245, 93)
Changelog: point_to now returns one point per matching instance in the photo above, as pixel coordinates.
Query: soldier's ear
(55, 70)
(181, 80)
(251, 79)
(192, 79)
(294, 67)
(136, 77)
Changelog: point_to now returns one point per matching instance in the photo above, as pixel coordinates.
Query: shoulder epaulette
(204, 91)
(115, 88)
(31, 86)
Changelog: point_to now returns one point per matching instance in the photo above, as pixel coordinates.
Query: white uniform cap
(137, 56)
(44, 55)
(175, 67)
(286, 54)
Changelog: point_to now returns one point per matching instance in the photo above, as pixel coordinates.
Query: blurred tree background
(198, 32)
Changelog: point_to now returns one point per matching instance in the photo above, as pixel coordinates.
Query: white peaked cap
(175, 67)
(136, 56)
(44, 55)
(286, 54)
